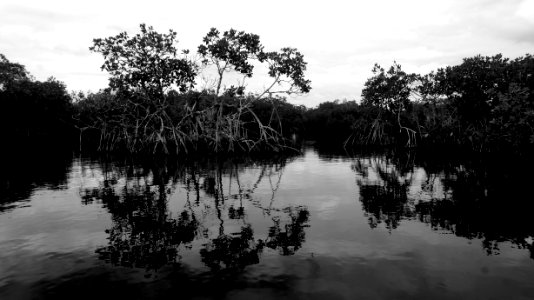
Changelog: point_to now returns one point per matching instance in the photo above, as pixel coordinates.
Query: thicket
(32, 111)
(485, 103)
(151, 105)
(187, 122)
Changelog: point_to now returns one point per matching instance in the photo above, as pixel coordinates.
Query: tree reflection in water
(474, 198)
(289, 237)
(23, 173)
(145, 234)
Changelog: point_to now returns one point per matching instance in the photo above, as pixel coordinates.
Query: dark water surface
(315, 226)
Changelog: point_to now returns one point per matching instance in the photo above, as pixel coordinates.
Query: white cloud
(526, 10)
(341, 40)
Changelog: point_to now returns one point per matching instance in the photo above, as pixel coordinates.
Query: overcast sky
(340, 40)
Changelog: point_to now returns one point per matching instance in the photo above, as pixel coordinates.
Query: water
(315, 226)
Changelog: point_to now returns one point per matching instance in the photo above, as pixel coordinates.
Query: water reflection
(475, 198)
(19, 178)
(211, 204)
(380, 226)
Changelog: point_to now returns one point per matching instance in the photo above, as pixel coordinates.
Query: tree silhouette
(147, 62)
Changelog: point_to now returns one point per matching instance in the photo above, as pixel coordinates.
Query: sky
(340, 40)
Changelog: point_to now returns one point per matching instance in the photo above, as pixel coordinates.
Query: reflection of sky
(341, 256)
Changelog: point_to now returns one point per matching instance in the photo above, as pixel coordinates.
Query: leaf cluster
(146, 62)
(290, 63)
(389, 89)
(234, 49)
(11, 72)
(238, 50)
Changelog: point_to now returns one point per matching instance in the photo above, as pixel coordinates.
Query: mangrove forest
(153, 103)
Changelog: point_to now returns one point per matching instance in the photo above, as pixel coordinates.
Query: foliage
(484, 104)
(232, 51)
(142, 113)
(331, 122)
(239, 51)
(33, 111)
(288, 65)
(147, 62)
(473, 86)
(184, 122)
(389, 90)
(513, 118)
(11, 72)
(284, 117)
(484, 98)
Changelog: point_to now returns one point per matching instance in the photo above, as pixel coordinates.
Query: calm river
(314, 226)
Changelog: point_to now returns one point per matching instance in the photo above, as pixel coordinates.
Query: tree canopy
(239, 51)
(147, 62)
(234, 50)
(389, 89)
(11, 72)
(32, 110)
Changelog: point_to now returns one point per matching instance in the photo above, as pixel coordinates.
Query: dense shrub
(484, 104)
(33, 111)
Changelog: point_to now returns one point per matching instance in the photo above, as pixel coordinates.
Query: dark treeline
(151, 105)
(485, 103)
(32, 111)
(195, 122)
